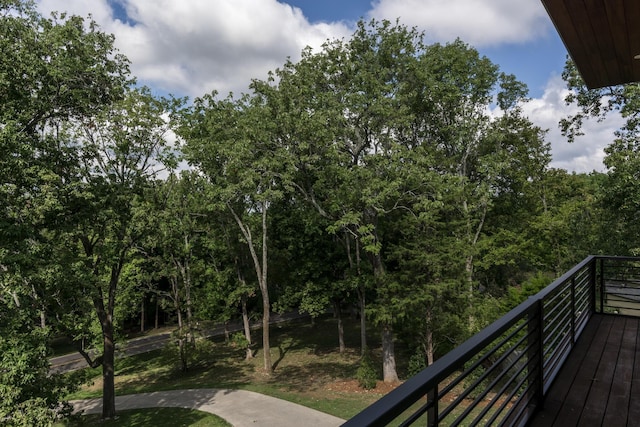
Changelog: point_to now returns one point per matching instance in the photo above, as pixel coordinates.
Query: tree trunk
(429, 339)
(246, 326)
(266, 305)
(261, 273)
(187, 292)
(338, 315)
(363, 320)
(389, 374)
(142, 315)
(184, 367)
(108, 368)
(105, 316)
(182, 265)
(266, 346)
(360, 290)
(43, 314)
(157, 312)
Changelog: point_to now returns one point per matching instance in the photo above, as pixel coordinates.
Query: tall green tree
(381, 123)
(233, 143)
(174, 231)
(121, 151)
(338, 111)
(53, 71)
(620, 198)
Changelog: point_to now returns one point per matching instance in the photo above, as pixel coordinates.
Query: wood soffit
(601, 36)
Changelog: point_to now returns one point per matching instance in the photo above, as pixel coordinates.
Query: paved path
(74, 361)
(239, 407)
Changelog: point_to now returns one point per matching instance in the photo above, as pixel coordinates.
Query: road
(74, 361)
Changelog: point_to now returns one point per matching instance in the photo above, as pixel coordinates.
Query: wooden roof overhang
(601, 36)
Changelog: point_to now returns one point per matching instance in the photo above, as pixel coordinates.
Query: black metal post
(573, 311)
(601, 285)
(592, 285)
(432, 412)
(535, 329)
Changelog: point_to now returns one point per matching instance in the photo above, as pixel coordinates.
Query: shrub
(366, 373)
(238, 340)
(417, 362)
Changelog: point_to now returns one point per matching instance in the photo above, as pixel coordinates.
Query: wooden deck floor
(599, 384)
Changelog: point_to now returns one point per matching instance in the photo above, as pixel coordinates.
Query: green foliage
(57, 73)
(366, 374)
(369, 170)
(189, 354)
(518, 294)
(417, 362)
(617, 197)
(29, 395)
(238, 340)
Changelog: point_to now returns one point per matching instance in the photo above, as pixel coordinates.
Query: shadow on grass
(313, 376)
(223, 369)
(308, 368)
(157, 417)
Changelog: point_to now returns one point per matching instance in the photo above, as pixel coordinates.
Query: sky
(192, 47)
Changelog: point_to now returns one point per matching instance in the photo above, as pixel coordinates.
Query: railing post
(573, 311)
(432, 412)
(592, 284)
(601, 285)
(535, 329)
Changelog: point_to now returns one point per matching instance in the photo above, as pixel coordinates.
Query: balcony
(564, 356)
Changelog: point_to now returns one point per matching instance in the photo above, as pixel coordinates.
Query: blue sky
(532, 62)
(192, 47)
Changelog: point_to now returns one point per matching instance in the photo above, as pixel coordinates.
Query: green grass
(157, 417)
(309, 370)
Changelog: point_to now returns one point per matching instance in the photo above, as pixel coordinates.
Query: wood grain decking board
(595, 385)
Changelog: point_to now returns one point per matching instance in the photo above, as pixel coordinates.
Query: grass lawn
(309, 370)
(157, 417)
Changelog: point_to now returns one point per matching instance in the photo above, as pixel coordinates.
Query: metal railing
(501, 375)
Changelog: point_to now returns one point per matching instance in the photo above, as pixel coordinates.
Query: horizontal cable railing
(500, 375)
(619, 287)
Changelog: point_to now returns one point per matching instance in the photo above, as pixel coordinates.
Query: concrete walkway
(238, 407)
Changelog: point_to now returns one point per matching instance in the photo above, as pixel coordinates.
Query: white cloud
(99, 9)
(587, 152)
(195, 46)
(477, 22)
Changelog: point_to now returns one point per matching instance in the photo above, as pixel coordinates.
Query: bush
(417, 362)
(366, 373)
(194, 353)
(238, 340)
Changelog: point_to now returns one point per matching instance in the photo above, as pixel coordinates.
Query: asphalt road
(74, 361)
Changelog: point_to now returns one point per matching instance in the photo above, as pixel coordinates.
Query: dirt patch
(352, 386)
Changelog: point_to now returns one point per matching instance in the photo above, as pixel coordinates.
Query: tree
(232, 142)
(381, 123)
(318, 278)
(29, 394)
(568, 220)
(53, 71)
(181, 249)
(340, 111)
(121, 151)
(620, 196)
